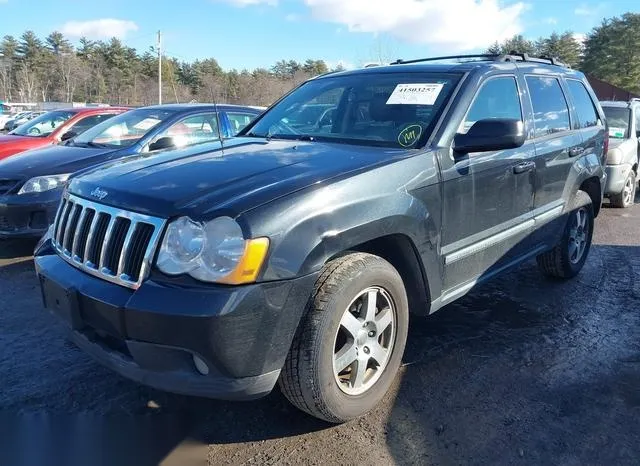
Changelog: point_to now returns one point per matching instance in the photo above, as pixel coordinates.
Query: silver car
(622, 159)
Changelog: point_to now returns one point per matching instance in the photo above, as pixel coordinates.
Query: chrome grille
(113, 244)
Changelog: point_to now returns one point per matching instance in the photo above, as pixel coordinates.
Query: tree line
(53, 69)
(610, 52)
(32, 69)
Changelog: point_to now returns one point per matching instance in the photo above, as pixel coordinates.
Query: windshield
(123, 130)
(385, 109)
(619, 119)
(44, 125)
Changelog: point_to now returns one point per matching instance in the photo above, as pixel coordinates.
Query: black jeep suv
(295, 253)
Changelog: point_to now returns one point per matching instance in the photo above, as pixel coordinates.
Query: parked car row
(31, 181)
(20, 119)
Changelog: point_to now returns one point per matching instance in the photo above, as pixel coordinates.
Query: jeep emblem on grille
(99, 193)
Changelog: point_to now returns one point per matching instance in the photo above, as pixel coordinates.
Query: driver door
(488, 196)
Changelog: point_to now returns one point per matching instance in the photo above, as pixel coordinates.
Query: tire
(339, 302)
(567, 258)
(627, 196)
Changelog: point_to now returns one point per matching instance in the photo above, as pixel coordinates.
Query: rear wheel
(349, 345)
(568, 257)
(628, 194)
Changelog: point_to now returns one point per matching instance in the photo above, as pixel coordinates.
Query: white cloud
(243, 3)
(589, 10)
(453, 25)
(99, 28)
(292, 17)
(552, 21)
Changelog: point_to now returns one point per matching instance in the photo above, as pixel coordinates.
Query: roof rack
(500, 57)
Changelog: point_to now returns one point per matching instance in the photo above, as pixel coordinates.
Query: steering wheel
(34, 131)
(325, 119)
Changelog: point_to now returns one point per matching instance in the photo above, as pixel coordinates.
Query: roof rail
(500, 57)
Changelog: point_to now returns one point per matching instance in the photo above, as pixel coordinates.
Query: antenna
(220, 135)
(160, 68)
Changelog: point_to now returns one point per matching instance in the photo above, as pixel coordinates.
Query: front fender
(309, 228)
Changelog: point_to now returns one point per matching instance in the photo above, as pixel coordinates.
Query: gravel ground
(521, 371)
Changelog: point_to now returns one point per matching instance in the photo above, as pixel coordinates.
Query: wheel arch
(400, 251)
(593, 188)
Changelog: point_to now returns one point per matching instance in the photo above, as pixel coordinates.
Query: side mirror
(68, 135)
(490, 135)
(166, 142)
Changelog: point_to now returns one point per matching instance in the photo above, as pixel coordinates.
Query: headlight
(614, 156)
(212, 252)
(43, 183)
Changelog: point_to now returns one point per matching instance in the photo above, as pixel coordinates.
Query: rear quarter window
(584, 105)
(550, 109)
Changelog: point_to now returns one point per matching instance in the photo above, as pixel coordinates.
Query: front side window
(192, 130)
(239, 120)
(550, 109)
(44, 125)
(619, 120)
(585, 108)
(381, 109)
(637, 110)
(123, 130)
(497, 98)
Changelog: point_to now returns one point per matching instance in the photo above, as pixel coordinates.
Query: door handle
(575, 151)
(524, 167)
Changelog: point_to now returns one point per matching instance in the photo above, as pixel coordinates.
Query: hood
(52, 160)
(203, 180)
(11, 144)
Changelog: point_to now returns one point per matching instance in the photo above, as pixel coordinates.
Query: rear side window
(497, 98)
(90, 121)
(550, 110)
(239, 120)
(637, 110)
(585, 108)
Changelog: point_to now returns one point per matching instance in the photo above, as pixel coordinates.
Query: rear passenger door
(487, 196)
(557, 144)
(588, 121)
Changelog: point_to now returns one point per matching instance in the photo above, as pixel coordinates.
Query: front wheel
(568, 257)
(349, 346)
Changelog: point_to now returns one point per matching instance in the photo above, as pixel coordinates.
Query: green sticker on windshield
(409, 135)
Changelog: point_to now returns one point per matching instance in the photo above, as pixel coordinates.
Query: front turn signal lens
(247, 270)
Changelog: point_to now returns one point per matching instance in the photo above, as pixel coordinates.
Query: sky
(257, 33)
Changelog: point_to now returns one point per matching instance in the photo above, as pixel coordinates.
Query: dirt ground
(521, 371)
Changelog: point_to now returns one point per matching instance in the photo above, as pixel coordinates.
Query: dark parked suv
(295, 253)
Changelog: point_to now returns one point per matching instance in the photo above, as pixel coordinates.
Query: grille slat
(106, 242)
(63, 221)
(116, 246)
(79, 228)
(122, 262)
(109, 243)
(70, 230)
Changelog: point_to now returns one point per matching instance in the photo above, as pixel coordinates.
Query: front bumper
(616, 176)
(28, 215)
(152, 334)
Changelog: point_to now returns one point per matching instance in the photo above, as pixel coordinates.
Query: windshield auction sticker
(616, 132)
(415, 94)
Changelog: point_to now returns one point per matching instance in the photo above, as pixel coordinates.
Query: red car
(54, 127)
